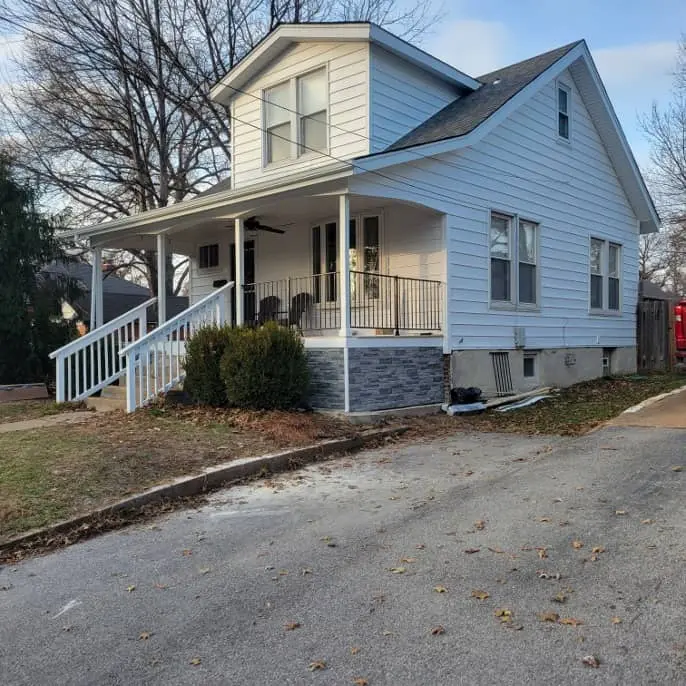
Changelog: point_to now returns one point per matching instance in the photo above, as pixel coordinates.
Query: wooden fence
(655, 334)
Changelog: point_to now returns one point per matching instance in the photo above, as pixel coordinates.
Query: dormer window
(564, 99)
(296, 117)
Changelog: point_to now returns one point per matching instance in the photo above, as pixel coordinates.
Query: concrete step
(106, 404)
(115, 392)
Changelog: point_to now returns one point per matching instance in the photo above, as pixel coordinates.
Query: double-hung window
(564, 100)
(606, 275)
(514, 261)
(296, 117)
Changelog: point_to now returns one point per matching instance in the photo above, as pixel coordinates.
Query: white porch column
(97, 314)
(161, 279)
(344, 262)
(239, 239)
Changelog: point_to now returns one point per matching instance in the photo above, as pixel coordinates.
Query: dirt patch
(570, 412)
(55, 473)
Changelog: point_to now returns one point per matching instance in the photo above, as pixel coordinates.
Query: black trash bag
(464, 396)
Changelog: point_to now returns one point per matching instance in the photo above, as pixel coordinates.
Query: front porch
(361, 278)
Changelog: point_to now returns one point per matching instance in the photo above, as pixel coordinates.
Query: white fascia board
(275, 43)
(412, 54)
(215, 201)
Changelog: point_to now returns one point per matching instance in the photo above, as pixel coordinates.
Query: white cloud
(471, 45)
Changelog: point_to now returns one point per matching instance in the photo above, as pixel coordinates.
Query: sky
(633, 42)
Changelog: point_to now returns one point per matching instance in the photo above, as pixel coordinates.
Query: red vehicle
(680, 328)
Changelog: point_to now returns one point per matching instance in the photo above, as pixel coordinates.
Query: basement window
(529, 367)
(208, 256)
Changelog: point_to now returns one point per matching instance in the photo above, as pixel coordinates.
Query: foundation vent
(501, 371)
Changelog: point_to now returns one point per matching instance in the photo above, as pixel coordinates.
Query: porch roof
(218, 203)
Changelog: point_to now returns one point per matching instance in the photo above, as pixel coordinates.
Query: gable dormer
(311, 96)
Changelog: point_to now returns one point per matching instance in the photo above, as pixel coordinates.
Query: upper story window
(514, 261)
(296, 114)
(606, 275)
(564, 101)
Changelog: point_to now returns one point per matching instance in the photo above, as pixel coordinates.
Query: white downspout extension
(161, 280)
(97, 313)
(239, 239)
(344, 263)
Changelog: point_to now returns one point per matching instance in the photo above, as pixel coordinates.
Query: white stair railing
(91, 362)
(154, 363)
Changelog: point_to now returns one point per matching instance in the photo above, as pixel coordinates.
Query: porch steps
(111, 398)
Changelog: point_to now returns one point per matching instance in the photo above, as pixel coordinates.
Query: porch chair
(301, 304)
(270, 308)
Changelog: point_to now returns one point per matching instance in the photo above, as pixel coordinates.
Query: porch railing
(154, 363)
(91, 362)
(379, 302)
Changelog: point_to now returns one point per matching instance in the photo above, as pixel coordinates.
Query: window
(529, 365)
(605, 275)
(208, 256)
(514, 243)
(295, 118)
(564, 96)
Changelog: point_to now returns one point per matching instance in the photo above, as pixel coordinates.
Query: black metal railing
(386, 304)
(395, 303)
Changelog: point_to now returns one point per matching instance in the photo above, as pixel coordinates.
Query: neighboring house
(118, 295)
(647, 290)
(424, 228)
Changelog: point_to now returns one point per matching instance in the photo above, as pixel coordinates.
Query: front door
(249, 310)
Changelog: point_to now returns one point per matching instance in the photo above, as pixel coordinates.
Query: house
(119, 295)
(649, 290)
(422, 227)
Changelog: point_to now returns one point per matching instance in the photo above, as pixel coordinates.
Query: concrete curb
(210, 479)
(651, 401)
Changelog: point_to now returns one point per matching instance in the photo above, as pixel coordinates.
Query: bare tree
(111, 112)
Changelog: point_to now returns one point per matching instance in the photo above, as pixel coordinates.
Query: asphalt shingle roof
(463, 115)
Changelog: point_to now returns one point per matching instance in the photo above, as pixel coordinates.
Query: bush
(265, 368)
(204, 350)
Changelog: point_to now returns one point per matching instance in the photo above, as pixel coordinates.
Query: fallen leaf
(616, 620)
(504, 614)
(620, 512)
(408, 560)
(397, 570)
(549, 575)
(161, 587)
(542, 553)
(205, 570)
(560, 597)
(440, 589)
(437, 630)
(471, 551)
(591, 661)
(386, 632)
(647, 521)
(360, 682)
(479, 524)
(282, 572)
(291, 626)
(499, 551)
(577, 545)
(514, 627)
(316, 665)
(305, 571)
(420, 546)
(469, 472)
(195, 661)
(131, 588)
(677, 468)
(544, 519)
(570, 621)
(354, 650)
(186, 552)
(598, 549)
(144, 636)
(548, 616)
(480, 595)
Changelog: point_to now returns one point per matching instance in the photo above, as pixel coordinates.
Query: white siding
(200, 280)
(348, 69)
(571, 189)
(402, 97)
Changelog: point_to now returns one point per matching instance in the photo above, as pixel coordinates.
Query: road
(213, 596)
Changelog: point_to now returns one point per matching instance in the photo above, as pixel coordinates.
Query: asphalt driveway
(346, 567)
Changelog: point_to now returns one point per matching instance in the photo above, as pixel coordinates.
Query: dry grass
(58, 472)
(19, 410)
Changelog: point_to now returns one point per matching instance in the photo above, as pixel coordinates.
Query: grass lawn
(572, 411)
(19, 410)
(54, 473)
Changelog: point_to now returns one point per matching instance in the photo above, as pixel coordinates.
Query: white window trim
(294, 118)
(560, 85)
(605, 310)
(209, 270)
(513, 303)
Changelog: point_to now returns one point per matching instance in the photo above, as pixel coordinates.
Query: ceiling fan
(254, 224)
